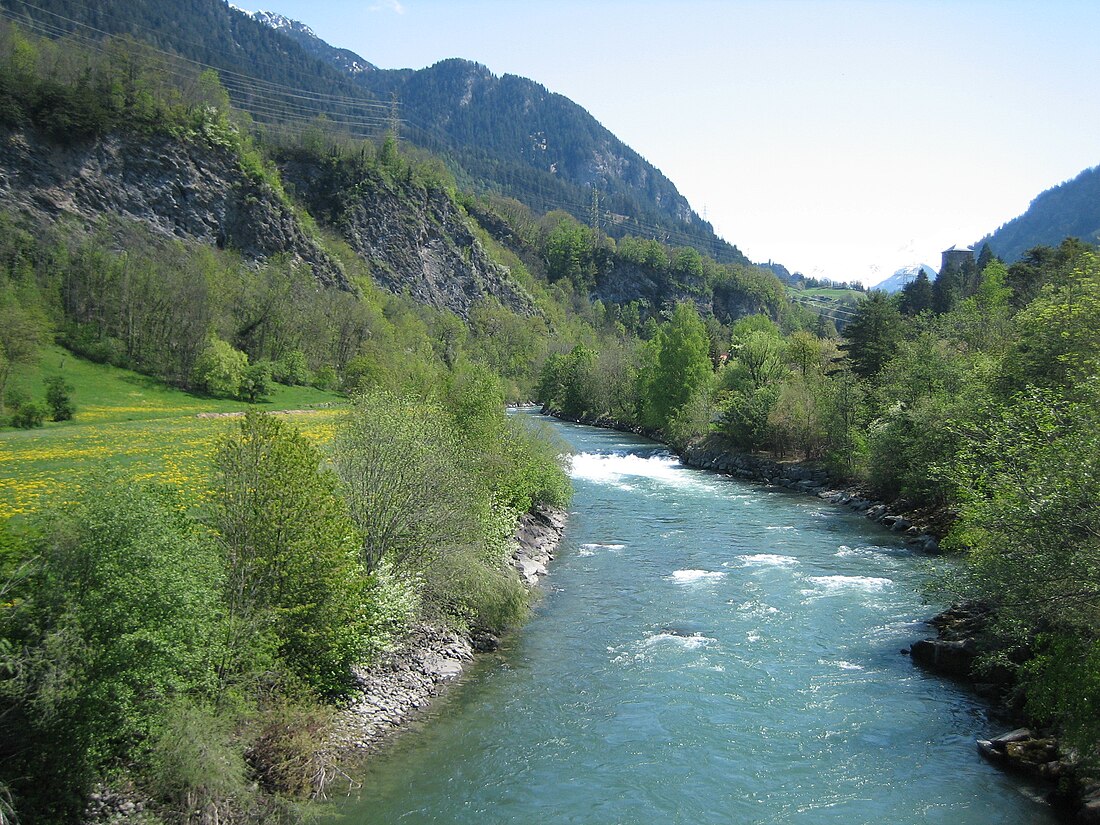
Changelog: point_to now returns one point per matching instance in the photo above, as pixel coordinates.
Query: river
(708, 651)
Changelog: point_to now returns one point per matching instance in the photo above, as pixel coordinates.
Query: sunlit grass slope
(132, 423)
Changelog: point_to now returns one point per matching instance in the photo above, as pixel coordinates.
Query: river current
(708, 651)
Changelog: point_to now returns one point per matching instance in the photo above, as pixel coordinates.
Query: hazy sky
(843, 139)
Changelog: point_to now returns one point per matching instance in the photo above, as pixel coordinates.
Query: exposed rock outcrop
(190, 189)
(414, 239)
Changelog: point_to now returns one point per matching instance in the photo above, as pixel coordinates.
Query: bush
(57, 398)
(325, 378)
(220, 369)
(292, 369)
(28, 415)
(256, 383)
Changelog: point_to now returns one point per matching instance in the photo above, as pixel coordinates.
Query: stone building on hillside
(956, 259)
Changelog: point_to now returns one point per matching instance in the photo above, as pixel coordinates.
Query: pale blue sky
(843, 139)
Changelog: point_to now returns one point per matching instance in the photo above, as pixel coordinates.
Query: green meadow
(134, 424)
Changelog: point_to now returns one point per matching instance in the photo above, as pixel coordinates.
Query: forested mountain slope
(505, 134)
(1071, 209)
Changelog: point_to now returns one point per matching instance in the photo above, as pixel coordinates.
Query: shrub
(28, 415)
(219, 369)
(256, 382)
(291, 369)
(57, 398)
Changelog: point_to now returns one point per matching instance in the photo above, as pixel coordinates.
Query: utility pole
(595, 218)
(395, 121)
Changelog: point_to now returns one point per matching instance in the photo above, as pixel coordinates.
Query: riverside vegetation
(187, 639)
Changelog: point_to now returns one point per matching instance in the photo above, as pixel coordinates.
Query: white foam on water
(841, 663)
(693, 576)
(592, 548)
(692, 642)
(757, 609)
(831, 584)
(616, 469)
(869, 552)
(767, 560)
(781, 527)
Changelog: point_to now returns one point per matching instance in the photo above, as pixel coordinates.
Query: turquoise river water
(708, 651)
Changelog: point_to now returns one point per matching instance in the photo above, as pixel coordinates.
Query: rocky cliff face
(625, 282)
(415, 240)
(191, 190)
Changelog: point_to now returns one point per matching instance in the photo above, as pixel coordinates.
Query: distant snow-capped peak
(278, 21)
(903, 276)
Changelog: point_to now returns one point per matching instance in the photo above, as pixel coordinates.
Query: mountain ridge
(1069, 209)
(511, 134)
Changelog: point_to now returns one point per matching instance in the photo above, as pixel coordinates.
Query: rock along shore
(399, 687)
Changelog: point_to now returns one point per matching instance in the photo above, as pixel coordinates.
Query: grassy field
(841, 296)
(133, 424)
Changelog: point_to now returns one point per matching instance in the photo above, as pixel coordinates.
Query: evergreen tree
(873, 335)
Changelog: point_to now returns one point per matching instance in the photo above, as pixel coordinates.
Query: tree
(219, 369)
(873, 334)
(1028, 483)
(682, 364)
(292, 369)
(58, 399)
(760, 352)
(798, 418)
(119, 619)
(1058, 333)
(291, 555)
(256, 382)
(21, 332)
(401, 471)
(917, 295)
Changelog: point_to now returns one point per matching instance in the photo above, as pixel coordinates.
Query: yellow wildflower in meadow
(48, 467)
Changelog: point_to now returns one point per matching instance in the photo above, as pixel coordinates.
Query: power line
(254, 85)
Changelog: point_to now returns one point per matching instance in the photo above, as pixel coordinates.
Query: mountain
(506, 135)
(342, 59)
(512, 135)
(903, 276)
(1071, 209)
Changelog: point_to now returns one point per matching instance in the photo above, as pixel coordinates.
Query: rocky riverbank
(1024, 750)
(400, 686)
(922, 528)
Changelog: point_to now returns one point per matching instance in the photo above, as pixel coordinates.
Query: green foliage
(196, 763)
(58, 399)
(797, 421)
(916, 296)
(400, 467)
(291, 551)
(873, 335)
(28, 414)
(745, 416)
(761, 352)
(256, 383)
(219, 369)
(1058, 343)
(1062, 683)
(116, 623)
(292, 369)
(682, 365)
